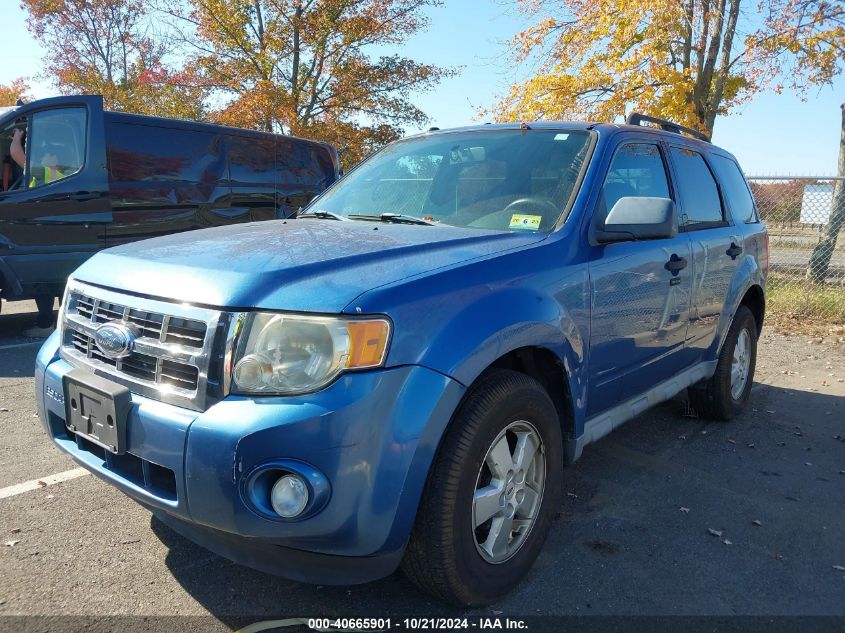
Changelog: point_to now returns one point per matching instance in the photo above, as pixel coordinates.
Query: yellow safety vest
(50, 175)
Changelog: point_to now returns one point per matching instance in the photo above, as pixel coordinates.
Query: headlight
(290, 354)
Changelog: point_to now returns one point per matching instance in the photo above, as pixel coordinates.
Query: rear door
(640, 290)
(54, 213)
(716, 245)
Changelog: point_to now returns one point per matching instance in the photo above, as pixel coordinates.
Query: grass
(798, 305)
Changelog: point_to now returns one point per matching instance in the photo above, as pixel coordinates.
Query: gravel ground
(669, 515)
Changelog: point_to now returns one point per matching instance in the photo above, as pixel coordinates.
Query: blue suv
(399, 375)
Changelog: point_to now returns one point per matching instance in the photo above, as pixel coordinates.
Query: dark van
(94, 179)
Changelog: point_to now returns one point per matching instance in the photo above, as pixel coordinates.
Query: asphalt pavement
(669, 515)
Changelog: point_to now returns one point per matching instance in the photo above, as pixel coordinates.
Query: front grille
(167, 329)
(172, 353)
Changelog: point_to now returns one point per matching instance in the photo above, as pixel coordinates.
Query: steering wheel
(529, 205)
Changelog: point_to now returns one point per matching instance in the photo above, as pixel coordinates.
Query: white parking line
(35, 484)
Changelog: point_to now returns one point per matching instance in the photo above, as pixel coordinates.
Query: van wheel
(491, 495)
(725, 394)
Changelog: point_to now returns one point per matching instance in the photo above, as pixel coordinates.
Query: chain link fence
(806, 246)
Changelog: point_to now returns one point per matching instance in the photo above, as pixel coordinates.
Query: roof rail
(635, 118)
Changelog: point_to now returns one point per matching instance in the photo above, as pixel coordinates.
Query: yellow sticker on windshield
(528, 222)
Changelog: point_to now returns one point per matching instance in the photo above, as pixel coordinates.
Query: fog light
(289, 496)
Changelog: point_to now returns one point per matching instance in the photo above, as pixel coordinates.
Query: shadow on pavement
(769, 481)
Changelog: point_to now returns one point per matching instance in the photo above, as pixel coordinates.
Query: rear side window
(251, 160)
(736, 190)
(637, 170)
(699, 194)
(150, 153)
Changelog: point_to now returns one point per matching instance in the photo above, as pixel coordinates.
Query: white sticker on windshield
(561, 137)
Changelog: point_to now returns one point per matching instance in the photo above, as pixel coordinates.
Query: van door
(716, 246)
(640, 290)
(251, 177)
(164, 178)
(56, 208)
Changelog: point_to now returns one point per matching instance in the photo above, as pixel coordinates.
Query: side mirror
(633, 218)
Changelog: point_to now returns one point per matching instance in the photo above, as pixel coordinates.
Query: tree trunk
(822, 253)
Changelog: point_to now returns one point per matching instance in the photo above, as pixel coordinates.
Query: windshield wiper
(322, 215)
(394, 218)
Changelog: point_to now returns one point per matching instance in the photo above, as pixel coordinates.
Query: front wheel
(725, 394)
(492, 493)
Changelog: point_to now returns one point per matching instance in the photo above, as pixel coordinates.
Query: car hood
(307, 265)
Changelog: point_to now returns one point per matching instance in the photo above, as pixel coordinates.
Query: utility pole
(822, 253)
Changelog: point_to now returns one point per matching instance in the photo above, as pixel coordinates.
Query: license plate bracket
(97, 409)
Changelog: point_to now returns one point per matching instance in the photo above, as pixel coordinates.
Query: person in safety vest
(48, 160)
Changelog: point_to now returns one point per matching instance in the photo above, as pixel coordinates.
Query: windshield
(519, 180)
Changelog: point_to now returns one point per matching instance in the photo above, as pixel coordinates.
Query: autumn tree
(687, 60)
(106, 47)
(305, 66)
(9, 94)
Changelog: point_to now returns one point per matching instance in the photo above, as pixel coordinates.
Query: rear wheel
(726, 393)
(491, 495)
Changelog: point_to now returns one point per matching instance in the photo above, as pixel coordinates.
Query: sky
(771, 135)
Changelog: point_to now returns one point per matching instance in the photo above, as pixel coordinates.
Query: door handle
(734, 251)
(675, 264)
(82, 196)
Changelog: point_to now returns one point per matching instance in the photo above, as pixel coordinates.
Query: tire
(716, 398)
(447, 555)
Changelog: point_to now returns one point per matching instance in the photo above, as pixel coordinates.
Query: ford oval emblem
(114, 340)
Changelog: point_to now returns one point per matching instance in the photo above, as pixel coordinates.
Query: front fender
(460, 323)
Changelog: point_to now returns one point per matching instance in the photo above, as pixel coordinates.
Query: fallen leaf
(839, 568)
(714, 532)
(15, 530)
(683, 509)
(3, 410)
(41, 483)
(11, 543)
(130, 541)
(732, 441)
(727, 542)
(751, 445)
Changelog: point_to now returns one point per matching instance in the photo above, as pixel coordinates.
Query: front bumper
(373, 435)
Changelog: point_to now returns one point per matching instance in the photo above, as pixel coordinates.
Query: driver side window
(637, 170)
(56, 149)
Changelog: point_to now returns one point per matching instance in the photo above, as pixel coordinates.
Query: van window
(139, 152)
(637, 170)
(737, 193)
(700, 202)
(301, 163)
(251, 160)
(55, 148)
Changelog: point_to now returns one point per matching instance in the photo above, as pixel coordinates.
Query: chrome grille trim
(172, 356)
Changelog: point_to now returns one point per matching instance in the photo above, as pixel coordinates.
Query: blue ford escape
(399, 375)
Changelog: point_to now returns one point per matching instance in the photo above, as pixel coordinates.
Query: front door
(640, 291)
(55, 209)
